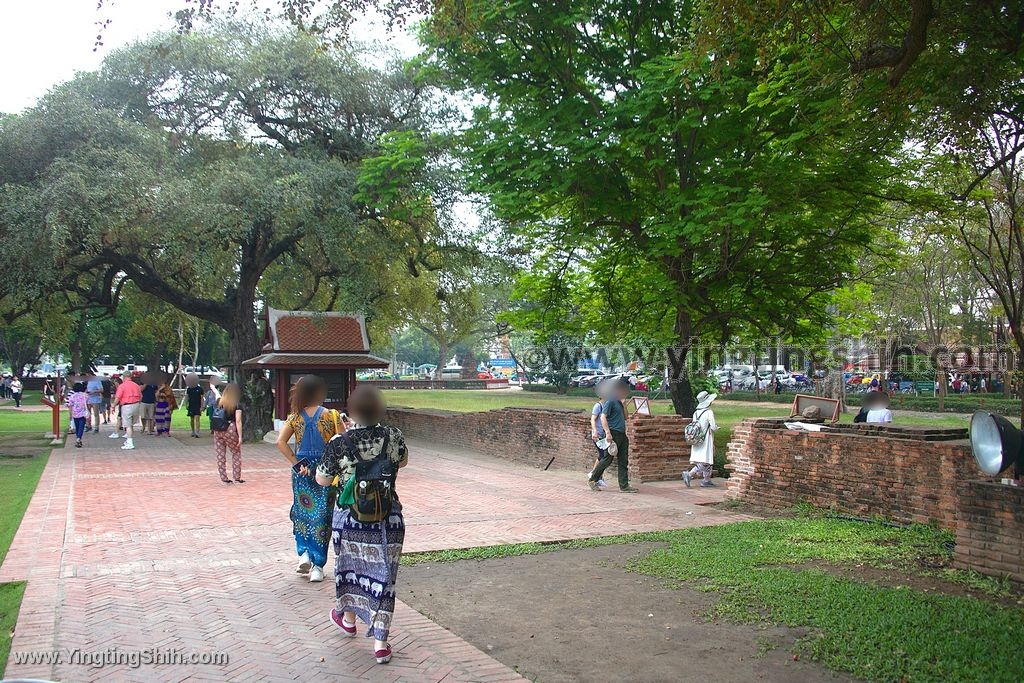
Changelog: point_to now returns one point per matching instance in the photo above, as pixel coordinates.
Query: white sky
(44, 42)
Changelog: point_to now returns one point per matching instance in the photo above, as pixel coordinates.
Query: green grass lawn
(18, 479)
(876, 632)
(726, 413)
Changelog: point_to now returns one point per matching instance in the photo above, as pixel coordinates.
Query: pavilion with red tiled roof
(297, 343)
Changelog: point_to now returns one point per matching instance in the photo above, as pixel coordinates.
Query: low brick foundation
(534, 436)
(907, 474)
(990, 529)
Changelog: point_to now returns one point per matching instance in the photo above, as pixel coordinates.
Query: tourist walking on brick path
(147, 408)
(210, 400)
(702, 455)
(108, 400)
(127, 400)
(193, 402)
(313, 426)
(613, 418)
(78, 406)
(367, 553)
(597, 430)
(166, 404)
(16, 390)
(115, 383)
(226, 423)
(94, 389)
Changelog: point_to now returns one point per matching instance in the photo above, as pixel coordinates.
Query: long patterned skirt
(311, 516)
(364, 572)
(162, 415)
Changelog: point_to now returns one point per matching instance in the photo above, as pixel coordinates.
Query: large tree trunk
(258, 418)
(155, 359)
(76, 344)
(940, 379)
(679, 378)
(1020, 376)
(681, 392)
(441, 362)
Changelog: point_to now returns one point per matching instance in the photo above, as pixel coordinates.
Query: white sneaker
(128, 445)
(115, 435)
(316, 575)
(304, 564)
(600, 482)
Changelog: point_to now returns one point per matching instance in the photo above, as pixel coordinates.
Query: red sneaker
(339, 621)
(383, 656)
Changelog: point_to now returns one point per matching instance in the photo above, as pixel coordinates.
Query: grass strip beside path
(760, 571)
(875, 632)
(492, 552)
(18, 480)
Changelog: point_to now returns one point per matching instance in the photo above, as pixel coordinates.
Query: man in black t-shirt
(148, 408)
(108, 394)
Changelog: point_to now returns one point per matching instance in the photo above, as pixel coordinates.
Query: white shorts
(129, 414)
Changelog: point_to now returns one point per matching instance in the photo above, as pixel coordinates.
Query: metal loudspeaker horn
(996, 444)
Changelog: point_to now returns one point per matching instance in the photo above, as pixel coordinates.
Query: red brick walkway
(148, 549)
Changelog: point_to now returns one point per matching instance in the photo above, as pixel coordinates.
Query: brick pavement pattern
(148, 549)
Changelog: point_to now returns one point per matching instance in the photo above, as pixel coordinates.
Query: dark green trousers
(622, 441)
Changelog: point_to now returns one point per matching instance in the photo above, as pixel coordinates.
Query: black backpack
(374, 488)
(219, 421)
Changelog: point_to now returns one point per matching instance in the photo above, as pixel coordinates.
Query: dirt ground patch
(577, 615)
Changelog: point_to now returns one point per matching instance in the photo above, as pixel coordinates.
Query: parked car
(584, 376)
(594, 380)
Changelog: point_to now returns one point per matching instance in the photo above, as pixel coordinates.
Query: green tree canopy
(734, 190)
(223, 170)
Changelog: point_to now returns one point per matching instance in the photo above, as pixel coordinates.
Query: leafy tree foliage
(719, 190)
(221, 170)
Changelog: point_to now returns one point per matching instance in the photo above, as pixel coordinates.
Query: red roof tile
(324, 332)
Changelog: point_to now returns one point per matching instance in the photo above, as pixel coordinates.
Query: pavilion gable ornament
(312, 332)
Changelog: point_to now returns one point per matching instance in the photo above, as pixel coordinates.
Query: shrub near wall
(536, 437)
(908, 474)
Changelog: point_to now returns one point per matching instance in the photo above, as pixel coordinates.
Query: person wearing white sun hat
(702, 455)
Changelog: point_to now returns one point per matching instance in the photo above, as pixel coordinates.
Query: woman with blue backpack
(313, 426)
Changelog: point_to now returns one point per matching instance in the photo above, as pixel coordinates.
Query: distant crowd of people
(982, 384)
(135, 405)
(11, 388)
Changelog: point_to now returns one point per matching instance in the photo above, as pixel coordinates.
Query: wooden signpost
(639, 405)
(829, 407)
